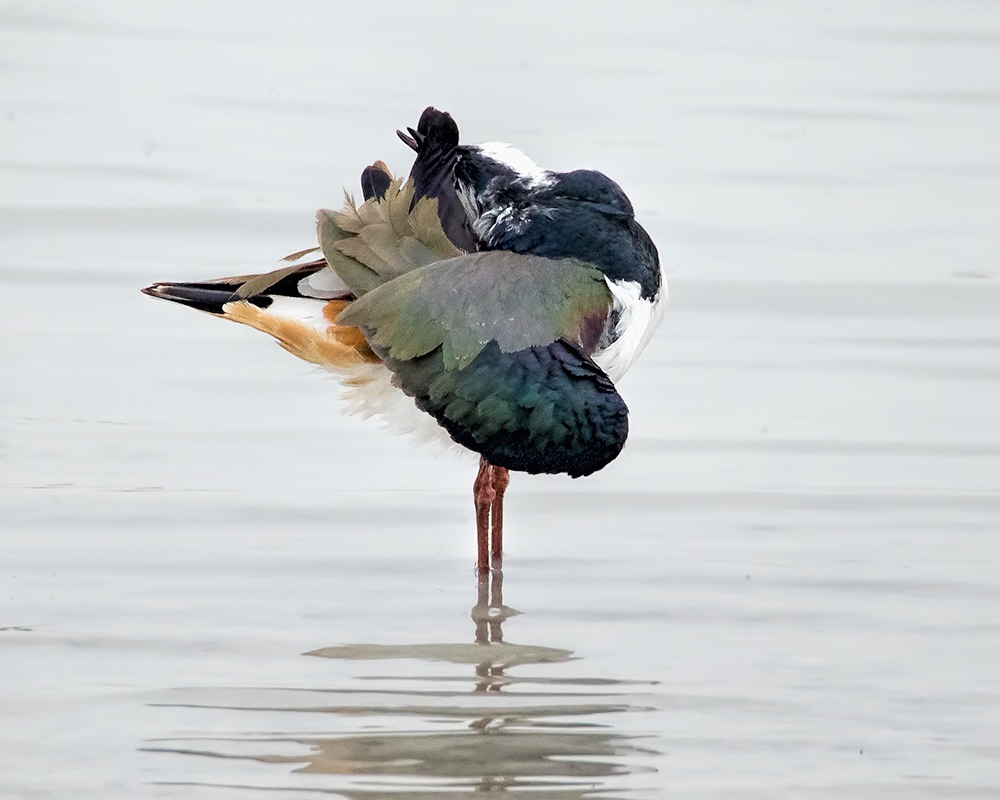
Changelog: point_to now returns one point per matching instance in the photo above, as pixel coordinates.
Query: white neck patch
(638, 319)
(512, 157)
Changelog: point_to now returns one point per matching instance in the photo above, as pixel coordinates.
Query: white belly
(638, 319)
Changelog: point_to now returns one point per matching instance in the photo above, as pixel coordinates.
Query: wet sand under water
(215, 586)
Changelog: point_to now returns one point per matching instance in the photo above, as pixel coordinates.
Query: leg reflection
(489, 613)
(419, 732)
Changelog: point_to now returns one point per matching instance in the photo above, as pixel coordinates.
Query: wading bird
(486, 298)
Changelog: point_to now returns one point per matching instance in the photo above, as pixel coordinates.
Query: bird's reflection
(553, 736)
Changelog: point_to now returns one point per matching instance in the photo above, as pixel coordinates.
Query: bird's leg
(501, 480)
(483, 493)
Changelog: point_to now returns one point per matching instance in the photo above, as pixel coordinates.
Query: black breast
(581, 214)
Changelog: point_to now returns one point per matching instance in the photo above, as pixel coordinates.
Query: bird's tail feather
(363, 246)
(208, 297)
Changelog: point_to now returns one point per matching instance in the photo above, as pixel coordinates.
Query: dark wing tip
(375, 181)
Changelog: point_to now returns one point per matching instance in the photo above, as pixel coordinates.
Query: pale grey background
(796, 557)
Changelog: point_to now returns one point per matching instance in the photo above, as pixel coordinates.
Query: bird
(484, 301)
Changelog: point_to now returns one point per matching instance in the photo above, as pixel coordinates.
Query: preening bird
(486, 299)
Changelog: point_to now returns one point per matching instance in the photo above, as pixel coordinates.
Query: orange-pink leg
(501, 480)
(484, 494)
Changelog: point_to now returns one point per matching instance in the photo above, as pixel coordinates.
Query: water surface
(216, 586)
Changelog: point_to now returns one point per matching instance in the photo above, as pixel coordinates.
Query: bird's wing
(496, 347)
(383, 238)
(461, 304)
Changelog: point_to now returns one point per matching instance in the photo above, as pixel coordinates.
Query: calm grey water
(213, 585)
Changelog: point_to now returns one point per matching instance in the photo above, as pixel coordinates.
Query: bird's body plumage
(485, 298)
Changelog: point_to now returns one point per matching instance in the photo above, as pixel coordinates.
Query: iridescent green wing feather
(461, 304)
(495, 345)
